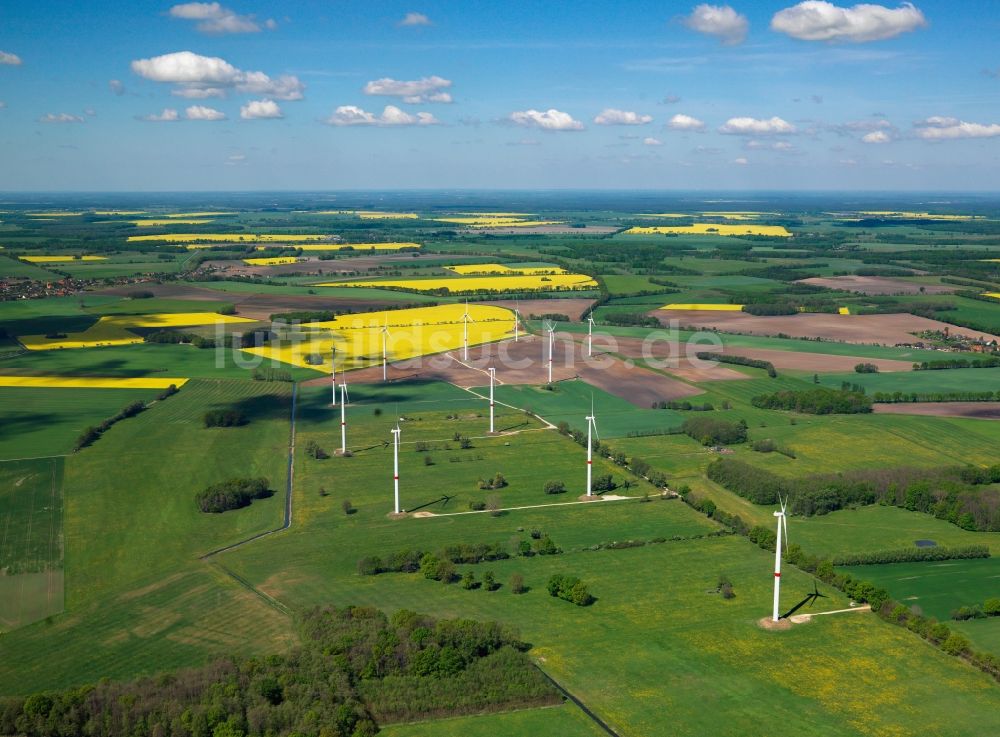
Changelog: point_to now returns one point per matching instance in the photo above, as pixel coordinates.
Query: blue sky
(257, 95)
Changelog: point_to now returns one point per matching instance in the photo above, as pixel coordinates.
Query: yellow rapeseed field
(90, 382)
(271, 261)
(413, 332)
(227, 238)
(480, 283)
(711, 229)
(216, 213)
(57, 259)
(357, 246)
(994, 295)
(121, 213)
(702, 306)
(114, 329)
(504, 269)
(168, 221)
(843, 310)
(54, 214)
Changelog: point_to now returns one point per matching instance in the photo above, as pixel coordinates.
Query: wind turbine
(590, 336)
(493, 378)
(333, 376)
(466, 319)
(551, 328)
(591, 424)
(395, 466)
(385, 338)
(782, 527)
(517, 319)
(343, 417)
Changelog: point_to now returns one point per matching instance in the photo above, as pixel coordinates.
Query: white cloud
(818, 20)
(757, 127)
(415, 19)
(90, 112)
(2, 104)
(235, 159)
(200, 112)
(611, 116)
(652, 141)
(550, 120)
(671, 99)
(742, 161)
(681, 122)
(425, 89)
(720, 21)
(876, 137)
(169, 115)
(754, 145)
(214, 18)
(260, 110)
(938, 128)
(117, 87)
(198, 93)
(60, 118)
(391, 115)
(195, 72)
(10, 59)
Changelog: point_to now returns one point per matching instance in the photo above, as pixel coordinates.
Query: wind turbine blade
(595, 430)
(784, 525)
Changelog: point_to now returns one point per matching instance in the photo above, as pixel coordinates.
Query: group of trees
(866, 368)
(354, 668)
(497, 482)
(815, 401)
(712, 431)
(771, 308)
(630, 320)
(738, 361)
(224, 418)
(898, 397)
(569, 588)
(232, 494)
(411, 561)
(685, 406)
(176, 336)
(960, 495)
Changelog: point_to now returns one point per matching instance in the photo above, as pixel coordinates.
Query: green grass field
(10, 267)
(47, 421)
(31, 541)
(936, 587)
(956, 380)
(565, 721)
(570, 401)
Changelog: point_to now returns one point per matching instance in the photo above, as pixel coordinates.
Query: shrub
(490, 582)
(763, 446)
(866, 368)
(469, 581)
(569, 588)
(347, 507)
(956, 644)
(517, 584)
(313, 450)
(555, 487)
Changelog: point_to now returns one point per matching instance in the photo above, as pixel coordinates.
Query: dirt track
(875, 285)
(973, 410)
(864, 329)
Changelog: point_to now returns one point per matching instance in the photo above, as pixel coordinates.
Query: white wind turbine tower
(395, 467)
(493, 378)
(517, 320)
(385, 339)
(590, 336)
(343, 417)
(466, 319)
(782, 527)
(551, 329)
(591, 425)
(333, 376)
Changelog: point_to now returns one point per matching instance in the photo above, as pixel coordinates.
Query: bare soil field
(972, 410)
(864, 329)
(524, 362)
(678, 358)
(817, 362)
(572, 308)
(875, 285)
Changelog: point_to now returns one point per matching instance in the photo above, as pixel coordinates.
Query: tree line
(815, 401)
(354, 667)
(738, 361)
(960, 495)
(93, 432)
